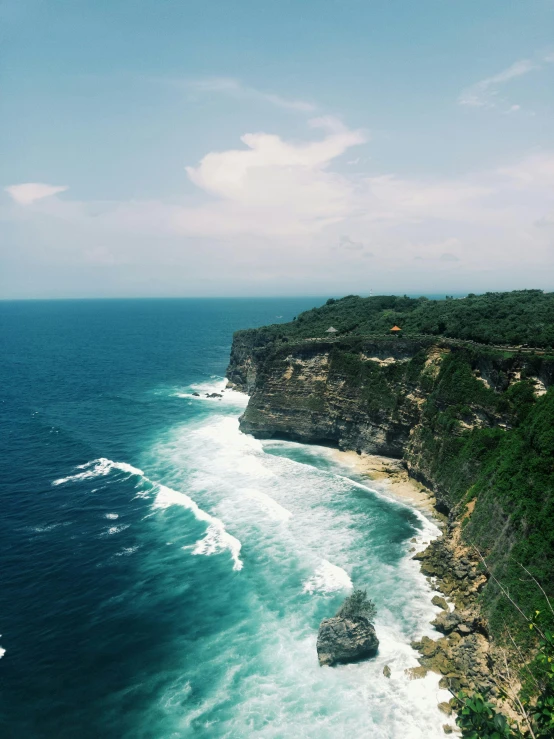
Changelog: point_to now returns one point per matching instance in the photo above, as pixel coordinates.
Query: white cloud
(483, 94)
(347, 243)
(27, 193)
(486, 93)
(274, 186)
(235, 88)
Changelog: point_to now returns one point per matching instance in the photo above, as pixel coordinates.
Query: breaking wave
(98, 468)
(216, 538)
(328, 578)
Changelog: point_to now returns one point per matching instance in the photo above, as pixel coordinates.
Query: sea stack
(350, 635)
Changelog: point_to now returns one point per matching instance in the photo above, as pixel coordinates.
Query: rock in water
(346, 639)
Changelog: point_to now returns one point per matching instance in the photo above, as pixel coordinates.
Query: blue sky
(276, 148)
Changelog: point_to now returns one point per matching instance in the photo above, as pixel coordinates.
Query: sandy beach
(389, 476)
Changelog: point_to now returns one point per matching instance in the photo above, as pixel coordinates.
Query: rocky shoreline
(462, 653)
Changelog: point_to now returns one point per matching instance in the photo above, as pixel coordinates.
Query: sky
(263, 147)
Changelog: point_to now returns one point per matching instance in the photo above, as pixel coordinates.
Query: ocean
(164, 575)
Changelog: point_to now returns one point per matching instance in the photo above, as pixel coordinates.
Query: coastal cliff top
(522, 317)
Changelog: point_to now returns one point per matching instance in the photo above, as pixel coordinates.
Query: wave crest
(328, 578)
(216, 539)
(98, 468)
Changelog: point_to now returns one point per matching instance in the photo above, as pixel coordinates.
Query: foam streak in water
(266, 502)
(97, 468)
(216, 538)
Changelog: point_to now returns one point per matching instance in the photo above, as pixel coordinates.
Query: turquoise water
(164, 575)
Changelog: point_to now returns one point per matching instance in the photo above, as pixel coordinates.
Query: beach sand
(389, 476)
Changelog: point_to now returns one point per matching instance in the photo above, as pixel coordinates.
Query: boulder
(346, 639)
(436, 600)
(214, 395)
(196, 395)
(447, 621)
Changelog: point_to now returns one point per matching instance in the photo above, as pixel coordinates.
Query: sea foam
(199, 392)
(311, 531)
(97, 468)
(328, 578)
(267, 504)
(216, 538)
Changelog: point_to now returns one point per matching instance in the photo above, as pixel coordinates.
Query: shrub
(356, 605)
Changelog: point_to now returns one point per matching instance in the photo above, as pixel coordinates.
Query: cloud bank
(276, 215)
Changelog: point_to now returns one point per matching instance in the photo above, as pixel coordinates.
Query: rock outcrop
(463, 655)
(347, 639)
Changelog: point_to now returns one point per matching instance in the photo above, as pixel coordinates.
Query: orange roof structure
(396, 328)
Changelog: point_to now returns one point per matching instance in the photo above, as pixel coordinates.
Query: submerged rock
(196, 395)
(346, 639)
(416, 673)
(386, 671)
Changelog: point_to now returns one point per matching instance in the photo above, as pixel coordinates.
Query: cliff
(354, 394)
(474, 423)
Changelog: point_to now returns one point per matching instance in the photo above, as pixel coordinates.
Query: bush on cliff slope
(479, 719)
(507, 470)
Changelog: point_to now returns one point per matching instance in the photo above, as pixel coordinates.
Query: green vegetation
(513, 519)
(356, 605)
(479, 719)
(496, 448)
(513, 318)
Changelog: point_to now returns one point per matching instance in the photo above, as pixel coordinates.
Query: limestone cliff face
(246, 354)
(400, 398)
(359, 397)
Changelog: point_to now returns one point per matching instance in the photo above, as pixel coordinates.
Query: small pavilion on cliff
(332, 330)
(396, 330)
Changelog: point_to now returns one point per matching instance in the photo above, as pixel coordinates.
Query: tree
(356, 605)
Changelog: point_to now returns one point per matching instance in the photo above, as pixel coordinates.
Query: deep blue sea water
(162, 574)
